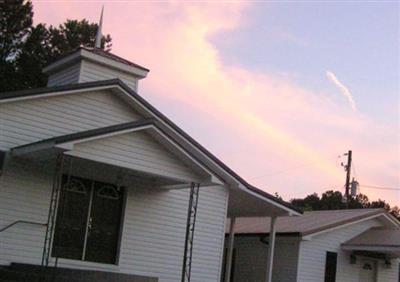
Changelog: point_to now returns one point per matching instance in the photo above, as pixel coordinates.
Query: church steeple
(99, 34)
(92, 64)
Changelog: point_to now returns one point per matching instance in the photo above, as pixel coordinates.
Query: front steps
(17, 272)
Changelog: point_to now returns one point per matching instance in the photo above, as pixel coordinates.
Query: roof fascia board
(365, 247)
(56, 93)
(214, 179)
(71, 144)
(308, 235)
(243, 187)
(278, 234)
(288, 210)
(392, 219)
(30, 149)
(135, 71)
(84, 54)
(187, 185)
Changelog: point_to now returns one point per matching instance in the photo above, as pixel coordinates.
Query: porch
(379, 244)
(124, 199)
(128, 212)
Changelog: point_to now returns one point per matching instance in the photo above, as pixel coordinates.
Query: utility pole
(348, 172)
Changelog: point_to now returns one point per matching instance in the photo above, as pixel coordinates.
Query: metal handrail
(22, 221)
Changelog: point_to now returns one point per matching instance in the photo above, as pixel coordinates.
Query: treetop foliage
(334, 200)
(25, 49)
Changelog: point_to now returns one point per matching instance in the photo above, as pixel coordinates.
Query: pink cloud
(259, 123)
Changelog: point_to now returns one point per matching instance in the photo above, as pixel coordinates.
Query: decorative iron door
(71, 218)
(104, 223)
(88, 220)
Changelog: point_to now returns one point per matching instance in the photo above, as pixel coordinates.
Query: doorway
(88, 220)
(368, 271)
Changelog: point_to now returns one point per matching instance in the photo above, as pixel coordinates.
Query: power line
(381, 187)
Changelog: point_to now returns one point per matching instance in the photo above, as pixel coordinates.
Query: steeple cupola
(90, 64)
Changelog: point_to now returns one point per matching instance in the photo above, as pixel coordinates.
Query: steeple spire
(99, 34)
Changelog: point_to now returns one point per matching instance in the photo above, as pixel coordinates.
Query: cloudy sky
(278, 90)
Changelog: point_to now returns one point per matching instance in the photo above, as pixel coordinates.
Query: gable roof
(109, 55)
(378, 240)
(309, 223)
(117, 83)
(98, 56)
(376, 237)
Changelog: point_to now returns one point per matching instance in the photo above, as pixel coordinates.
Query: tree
(334, 200)
(15, 22)
(309, 203)
(27, 49)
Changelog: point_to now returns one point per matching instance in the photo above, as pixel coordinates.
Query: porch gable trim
(82, 136)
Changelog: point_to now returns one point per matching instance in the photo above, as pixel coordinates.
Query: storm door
(88, 220)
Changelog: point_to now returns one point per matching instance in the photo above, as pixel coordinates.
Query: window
(330, 267)
(88, 220)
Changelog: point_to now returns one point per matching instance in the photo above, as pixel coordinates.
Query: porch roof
(381, 240)
(249, 192)
(67, 142)
(80, 136)
(312, 222)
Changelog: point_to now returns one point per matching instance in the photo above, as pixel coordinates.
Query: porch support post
(271, 249)
(229, 254)
(189, 238)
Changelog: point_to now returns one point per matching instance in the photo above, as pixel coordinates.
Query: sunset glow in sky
(276, 90)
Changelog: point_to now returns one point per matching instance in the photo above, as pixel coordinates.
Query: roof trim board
(112, 83)
(307, 234)
(98, 56)
(7, 97)
(345, 223)
(67, 142)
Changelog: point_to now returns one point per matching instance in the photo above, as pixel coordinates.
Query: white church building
(98, 185)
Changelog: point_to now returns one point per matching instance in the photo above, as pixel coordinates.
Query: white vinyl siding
(155, 219)
(389, 274)
(313, 254)
(23, 122)
(153, 231)
(92, 72)
(135, 150)
(68, 75)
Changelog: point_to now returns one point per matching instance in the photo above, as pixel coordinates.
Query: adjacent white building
(94, 178)
(336, 245)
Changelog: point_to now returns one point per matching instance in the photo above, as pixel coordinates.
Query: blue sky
(359, 42)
